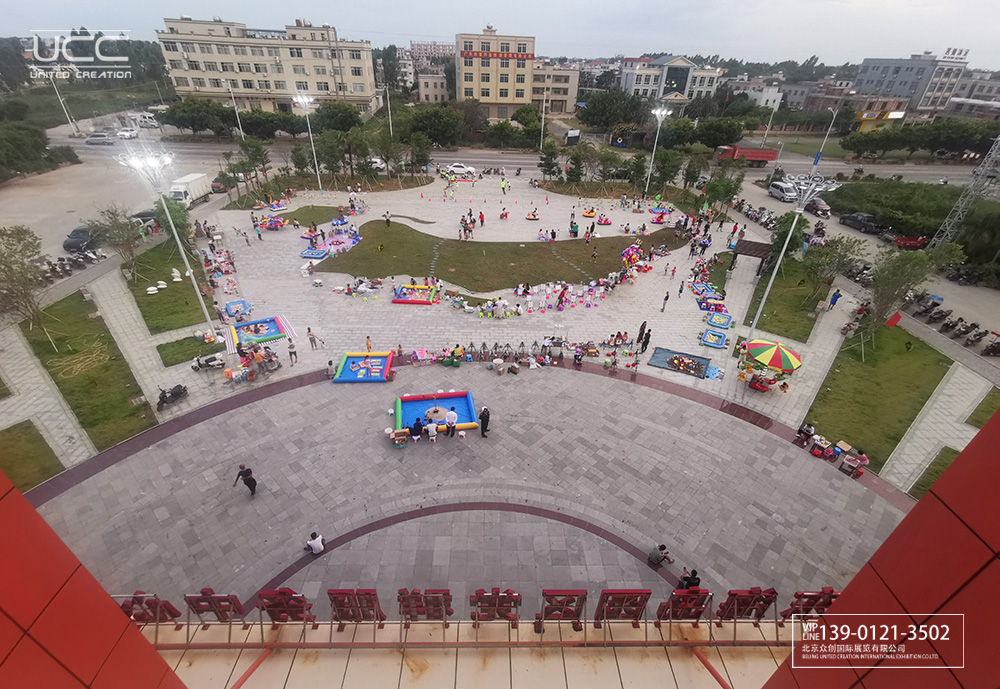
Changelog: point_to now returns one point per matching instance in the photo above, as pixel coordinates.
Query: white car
(128, 133)
(461, 169)
(377, 163)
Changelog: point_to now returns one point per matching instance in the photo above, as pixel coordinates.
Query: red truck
(755, 157)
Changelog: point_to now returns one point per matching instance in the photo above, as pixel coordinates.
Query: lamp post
(304, 102)
(150, 167)
(768, 129)
(236, 110)
(807, 187)
(62, 104)
(822, 145)
(541, 134)
(660, 114)
(388, 103)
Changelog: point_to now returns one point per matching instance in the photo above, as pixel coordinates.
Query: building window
(239, 50)
(295, 52)
(504, 78)
(273, 52)
(484, 62)
(233, 83)
(468, 93)
(248, 83)
(538, 92)
(204, 48)
(435, 98)
(467, 76)
(504, 64)
(257, 51)
(243, 67)
(319, 69)
(298, 69)
(215, 83)
(467, 62)
(520, 64)
(222, 49)
(484, 78)
(341, 86)
(263, 84)
(228, 67)
(505, 47)
(519, 79)
(259, 68)
(354, 54)
(362, 107)
(200, 83)
(170, 46)
(180, 81)
(317, 54)
(711, 81)
(426, 97)
(194, 66)
(522, 47)
(357, 72)
(484, 93)
(210, 66)
(176, 64)
(188, 47)
(502, 112)
(539, 79)
(466, 45)
(518, 93)
(322, 86)
(484, 46)
(358, 88)
(504, 93)
(637, 92)
(279, 85)
(301, 85)
(560, 79)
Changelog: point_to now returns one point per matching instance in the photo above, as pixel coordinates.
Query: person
(807, 431)
(293, 356)
(417, 429)
(659, 554)
(313, 342)
(432, 430)
(645, 340)
(593, 256)
(315, 543)
(666, 298)
(482, 219)
(484, 421)
(860, 462)
(331, 370)
(642, 331)
(689, 580)
(680, 290)
(246, 475)
(368, 342)
(450, 421)
(578, 356)
(834, 298)
(388, 218)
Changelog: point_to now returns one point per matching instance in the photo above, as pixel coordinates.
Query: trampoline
(434, 407)
(414, 294)
(353, 369)
(713, 338)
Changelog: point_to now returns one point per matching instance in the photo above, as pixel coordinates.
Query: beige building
(556, 86)
(263, 69)
(704, 81)
(432, 88)
(496, 70)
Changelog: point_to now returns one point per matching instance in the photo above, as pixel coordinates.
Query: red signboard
(502, 56)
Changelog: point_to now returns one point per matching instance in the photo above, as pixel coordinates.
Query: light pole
(388, 102)
(304, 102)
(807, 187)
(541, 134)
(62, 103)
(150, 167)
(660, 114)
(236, 110)
(781, 147)
(822, 145)
(768, 129)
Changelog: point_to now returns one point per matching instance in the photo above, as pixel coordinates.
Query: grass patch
(681, 198)
(416, 220)
(785, 314)
(933, 472)
(986, 409)
(89, 370)
(720, 272)
(321, 215)
(809, 145)
(872, 404)
(277, 185)
(85, 100)
(178, 307)
(183, 351)
(4, 390)
(481, 266)
(27, 459)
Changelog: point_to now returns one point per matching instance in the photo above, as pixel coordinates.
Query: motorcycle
(518, 172)
(859, 171)
(925, 307)
(77, 261)
(964, 329)
(938, 315)
(170, 396)
(976, 337)
(54, 269)
(64, 266)
(200, 363)
(992, 349)
(951, 323)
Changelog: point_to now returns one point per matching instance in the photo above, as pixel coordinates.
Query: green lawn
(872, 404)
(84, 100)
(482, 266)
(613, 190)
(720, 272)
(986, 409)
(176, 307)
(933, 472)
(27, 459)
(276, 186)
(785, 314)
(89, 370)
(807, 145)
(4, 390)
(183, 351)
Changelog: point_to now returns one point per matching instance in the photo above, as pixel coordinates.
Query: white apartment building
(496, 70)
(704, 81)
(556, 86)
(765, 96)
(432, 88)
(263, 69)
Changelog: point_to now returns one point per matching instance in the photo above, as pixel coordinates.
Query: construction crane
(983, 183)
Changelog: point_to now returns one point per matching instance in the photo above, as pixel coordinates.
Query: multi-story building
(420, 52)
(767, 96)
(556, 86)
(977, 96)
(829, 93)
(704, 81)
(264, 69)
(926, 80)
(496, 70)
(664, 78)
(407, 73)
(794, 96)
(432, 88)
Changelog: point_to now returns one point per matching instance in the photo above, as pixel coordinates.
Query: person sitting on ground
(417, 429)
(659, 554)
(315, 543)
(806, 432)
(689, 580)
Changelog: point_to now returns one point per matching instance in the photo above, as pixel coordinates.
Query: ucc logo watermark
(56, 55)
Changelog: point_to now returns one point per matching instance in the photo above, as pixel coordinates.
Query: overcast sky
(837, 31)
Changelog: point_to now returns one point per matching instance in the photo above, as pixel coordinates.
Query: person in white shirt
(450, 420)
(432, 431)
(315, 543)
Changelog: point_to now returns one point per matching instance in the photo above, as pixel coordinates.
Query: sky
(838, 31)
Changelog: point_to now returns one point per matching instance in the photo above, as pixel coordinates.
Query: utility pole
(62, 103)
(983, 177)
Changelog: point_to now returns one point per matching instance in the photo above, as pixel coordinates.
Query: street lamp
(541, 134)
(236, 110)
(822, 145)
(660, 114)
(388, 103)
(807, 187)
(304, 102)
(150, 167)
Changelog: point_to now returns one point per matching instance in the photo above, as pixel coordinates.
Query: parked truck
(755, 157)
(191, 189)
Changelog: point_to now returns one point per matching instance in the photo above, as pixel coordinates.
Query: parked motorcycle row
(760, 215)
(64, 266)
(929, 307)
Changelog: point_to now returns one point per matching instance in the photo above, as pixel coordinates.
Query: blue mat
(689, 364)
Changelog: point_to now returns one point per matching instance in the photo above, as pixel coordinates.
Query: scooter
(54, 269)
(200, 363)
(64, 266)
(518, 172)
(951, 323)
(924, 308)
(170, 396)
(938, 315)
(964, 329)
(77, 261)
(976, 337)
(992, 349)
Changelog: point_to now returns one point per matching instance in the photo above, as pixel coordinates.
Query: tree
(116, 228)
(340, 116)
(637, 170)
(474, 120)
(256, 156)
(366, 170)
(418, 150)
(785, 223)
(724, 185)
(823, 263)
(575, 172)
(301, 160)
(260, 124)
(608, 108)
(14, 70)
(591, 157)
(692, 171)
(177, 213)
(548, 161)
(608, 163)
(449, 77)
(199, 116)
(290, 123)
(721, 131)
(13, 109)
(19, 271)
(357, 144)
(388, 149)
(330, 150)
(526, 116)
(443, 126)
(667, 165)
(501, 134)
(677, 132)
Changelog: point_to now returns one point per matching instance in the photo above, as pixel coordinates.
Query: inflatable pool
(720, 320)
(314, 254)
(414, 294)
(337, 222)
(410, 407)
(364, 367)
(713, 338)
(660, 211)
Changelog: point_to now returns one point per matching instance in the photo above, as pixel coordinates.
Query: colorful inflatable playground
(260, 331)
(364, 367)
(430, 408)
(414, 294)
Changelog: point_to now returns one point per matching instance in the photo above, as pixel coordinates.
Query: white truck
(191, 189)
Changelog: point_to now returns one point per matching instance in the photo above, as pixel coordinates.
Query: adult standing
(256, 226)
(482, 219)
(450, 422)
(834, 298)
(388, 218)
(484, 421)
(680, 290)
(645, 340)
(246, 475)
(293, 356)
(642, 331)
(666, 298)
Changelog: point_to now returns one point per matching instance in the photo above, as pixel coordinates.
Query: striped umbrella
(774, 355)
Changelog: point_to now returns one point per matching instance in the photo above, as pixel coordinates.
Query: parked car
(77, 240)
(99, 138)
(783, 191)
(461, 169)
(128, 133)
(146, 218)
(218, 187)
(866, 222)
(377, 163)
(911, 242)
(818, 207)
